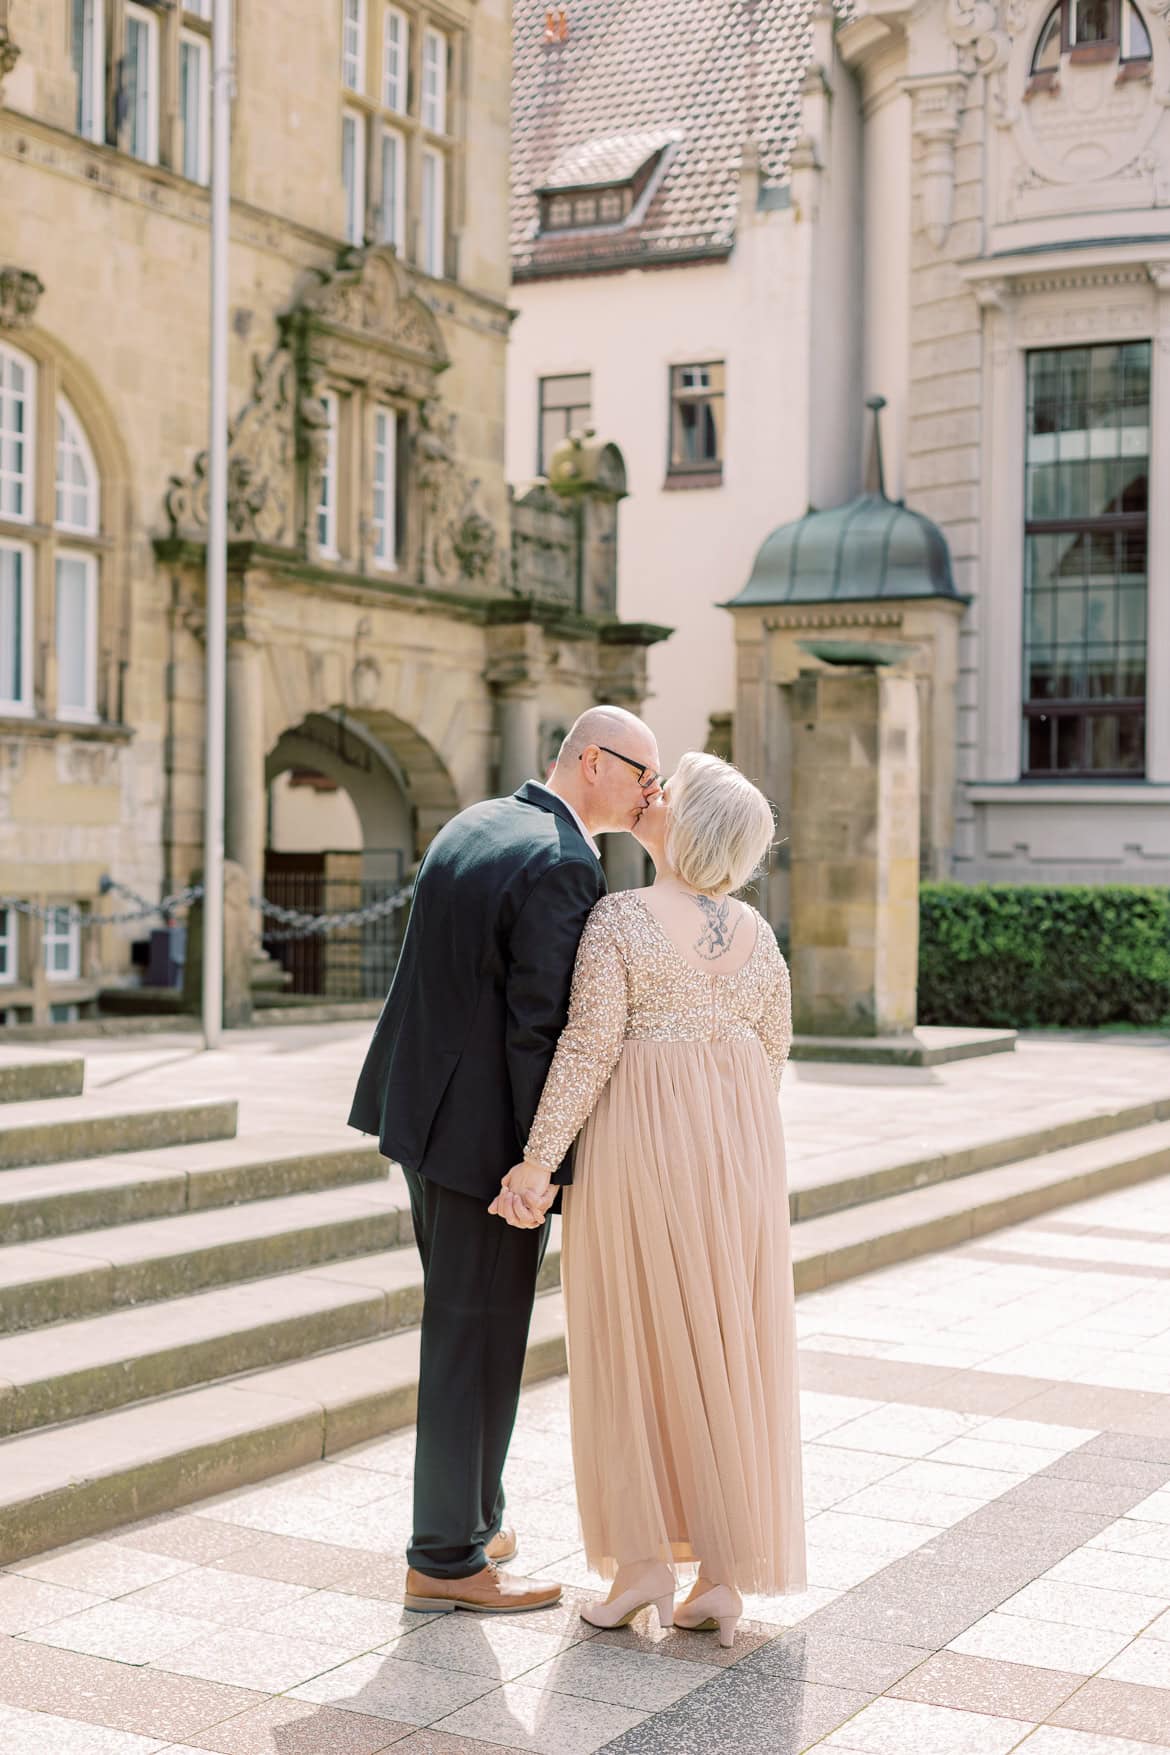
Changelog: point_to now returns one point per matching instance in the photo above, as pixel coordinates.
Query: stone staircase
(183, 1311)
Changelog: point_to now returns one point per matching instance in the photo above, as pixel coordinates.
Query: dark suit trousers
(479, 1280)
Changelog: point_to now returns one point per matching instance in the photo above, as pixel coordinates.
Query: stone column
(246, 814)
(519, 735)
(854, 841)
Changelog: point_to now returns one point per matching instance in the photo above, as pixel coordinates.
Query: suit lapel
(529, 793)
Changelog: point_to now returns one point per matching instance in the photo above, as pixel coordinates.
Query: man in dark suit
(450, 1086)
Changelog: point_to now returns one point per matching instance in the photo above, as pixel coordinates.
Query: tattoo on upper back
(718, 927)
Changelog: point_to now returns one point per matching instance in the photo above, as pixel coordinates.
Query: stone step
(26, 1081)
(813, 1191)
(841, 1245)
(92, 1127)
(92, 1272)
(60, 1200)
(74, 1369)
(150, 1458)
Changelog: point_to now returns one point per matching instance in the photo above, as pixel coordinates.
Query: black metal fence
(354, 962)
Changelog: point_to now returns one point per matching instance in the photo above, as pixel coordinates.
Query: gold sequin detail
(631, 983)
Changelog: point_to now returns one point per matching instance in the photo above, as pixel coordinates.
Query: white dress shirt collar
(548, 791)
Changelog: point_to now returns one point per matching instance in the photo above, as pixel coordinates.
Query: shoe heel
(429, 1605)
(727, 1627)
(665, 1607)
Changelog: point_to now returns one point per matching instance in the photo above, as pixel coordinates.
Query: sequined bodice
(632, 983)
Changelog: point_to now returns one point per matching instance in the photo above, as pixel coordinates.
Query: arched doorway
(343, 834)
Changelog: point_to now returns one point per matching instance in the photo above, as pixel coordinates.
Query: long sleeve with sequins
(775, 1025)
(590, 1044)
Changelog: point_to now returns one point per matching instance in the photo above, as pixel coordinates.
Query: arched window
(51, 544)
(1091, 30)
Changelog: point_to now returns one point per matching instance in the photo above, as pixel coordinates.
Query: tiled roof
(712, 73)
(615, 158)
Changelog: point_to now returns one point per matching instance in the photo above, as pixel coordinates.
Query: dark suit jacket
(460, 1053)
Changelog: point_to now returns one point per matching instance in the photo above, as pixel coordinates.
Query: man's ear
(590, 756)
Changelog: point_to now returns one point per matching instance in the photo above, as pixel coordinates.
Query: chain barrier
(292, 923)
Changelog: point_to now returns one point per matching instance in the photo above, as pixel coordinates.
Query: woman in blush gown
(675, 1251)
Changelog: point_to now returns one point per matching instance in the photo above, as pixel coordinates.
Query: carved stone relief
(20, 293)
(260, 475)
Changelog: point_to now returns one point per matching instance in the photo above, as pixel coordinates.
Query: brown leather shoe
(489, 1592)
(502, 1546)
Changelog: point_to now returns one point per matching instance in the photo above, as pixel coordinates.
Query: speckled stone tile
(858, 1663)
(30, 1602)
(644, 1635)
(893, 1727)
(1119, 1709)
(356, 1624)
(1047, 1645)
(1146, 1661)
(544, 1723)
(623, 1678)
(1053, 1740)
(971, 1684)
(497, 1648)
(319, 1565)
(124, 1631)
(195, 1539)
(150, 1702)
(294, 1727)
(103, 1569)
(38, 1734)
(266, 1662)
(746, 1712)
(1084, 1605)
(227, 1599)
(384, 1687)
(432, 1742)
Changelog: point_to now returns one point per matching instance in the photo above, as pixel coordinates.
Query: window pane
(353, 176)
(565, 406)
(141, 85)
(194, 104)
(327, 499)
(697, 416)
(8, 944)
(1093, 21)
(77, 486)
(433, 217)
(391, 217)
(13, 625)
(434, 82)
(89, 67)
(76, 636)
(385, 485)
(1086, 585)
(395, 51)
(352, 35)
(1047, 56)
(16, 454)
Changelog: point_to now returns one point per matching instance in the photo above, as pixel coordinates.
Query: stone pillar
(246, 812)
(237, 950)
(854, 843)
(519, 735)
(624, 862)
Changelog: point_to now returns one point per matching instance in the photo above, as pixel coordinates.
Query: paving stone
(194, 1539)
(644, 1635)
(245, 1658)
(971, 1684)
(624, 1678)
(317, 1565)
(1146, 1661)
(30, 1602)
(502, 1648)
(151, 1702)
(867, 1664)
(104, 1569)
(433, 1742)
(1122, 1709)
(545, 1723)
(1049, 1645)
(1049, 1740)
(748, 1712)
(382, 1687)
(294, 1727)
(227, 1599)
(37, 1734)
(1084, 1605)
(891, 1727)
(123, 1630)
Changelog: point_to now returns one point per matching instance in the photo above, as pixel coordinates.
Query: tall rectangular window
(140, 77)
(385, 475)
(327, 500)
(353, 174)
(76, 628)
(395, 60)
(15, 628)
(62, 945)
(392, 204)
(89, 64)
(353, 43)
(434, 217)
(434, 82)
(9, 945)
(565, 405)
(17, 405)
(1085, 561)
(696, 418)
(195, 105)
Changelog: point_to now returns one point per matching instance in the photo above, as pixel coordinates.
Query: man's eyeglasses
(647, 778)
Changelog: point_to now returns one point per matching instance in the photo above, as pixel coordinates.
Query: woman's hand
(525, 1196)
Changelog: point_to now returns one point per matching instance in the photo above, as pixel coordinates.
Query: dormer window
(602, 182)
(1085, 31)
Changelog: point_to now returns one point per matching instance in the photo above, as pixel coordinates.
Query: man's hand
(525, 1196)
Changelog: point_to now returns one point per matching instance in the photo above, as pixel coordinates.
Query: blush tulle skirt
(677, 1275)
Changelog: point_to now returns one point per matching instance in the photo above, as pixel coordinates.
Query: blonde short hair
(720, 826)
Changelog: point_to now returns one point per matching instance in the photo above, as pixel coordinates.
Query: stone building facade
(386, 601)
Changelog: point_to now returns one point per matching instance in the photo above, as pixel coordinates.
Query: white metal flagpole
(216, 619)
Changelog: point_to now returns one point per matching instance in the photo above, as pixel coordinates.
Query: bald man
(450, 1087)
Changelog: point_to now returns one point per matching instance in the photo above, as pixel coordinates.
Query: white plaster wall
(886, 260)
(305, 821)
(682, 552)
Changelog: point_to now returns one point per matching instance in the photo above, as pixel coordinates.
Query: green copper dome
(871, 548)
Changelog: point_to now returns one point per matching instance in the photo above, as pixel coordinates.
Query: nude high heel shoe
(718, 1607)
(656, 1585)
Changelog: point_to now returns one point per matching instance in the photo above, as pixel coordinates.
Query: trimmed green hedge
(1027, 956)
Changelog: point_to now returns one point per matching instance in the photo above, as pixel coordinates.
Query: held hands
(525, 1196)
